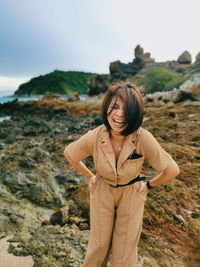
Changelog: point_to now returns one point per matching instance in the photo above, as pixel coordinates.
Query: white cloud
(9, 84)
(163, 28)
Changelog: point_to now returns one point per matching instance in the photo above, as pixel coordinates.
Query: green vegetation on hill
(58, 82)
(160, 79)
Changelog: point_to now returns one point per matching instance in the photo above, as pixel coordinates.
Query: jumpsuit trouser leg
(128, 226)
(116, 221)
(102, 214)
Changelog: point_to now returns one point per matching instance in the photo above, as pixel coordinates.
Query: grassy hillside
(59, 82)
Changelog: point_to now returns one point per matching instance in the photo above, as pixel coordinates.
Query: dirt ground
(9, 260)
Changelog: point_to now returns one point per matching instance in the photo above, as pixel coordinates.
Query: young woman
(117, 191)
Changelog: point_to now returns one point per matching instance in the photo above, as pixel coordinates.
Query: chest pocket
(135, 163)
(134, 156)
(131, 168)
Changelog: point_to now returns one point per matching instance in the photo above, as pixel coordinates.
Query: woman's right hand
(92, 181)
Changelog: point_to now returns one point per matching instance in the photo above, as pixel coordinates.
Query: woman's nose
(120, 112)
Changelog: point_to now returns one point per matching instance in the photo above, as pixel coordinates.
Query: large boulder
(185, 58)
(33, 187)
(189, 90)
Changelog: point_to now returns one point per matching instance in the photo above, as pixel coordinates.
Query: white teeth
(118, 121)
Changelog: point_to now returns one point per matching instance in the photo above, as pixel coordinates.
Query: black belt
(137, 179)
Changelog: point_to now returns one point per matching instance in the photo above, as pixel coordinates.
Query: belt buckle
(115, 186)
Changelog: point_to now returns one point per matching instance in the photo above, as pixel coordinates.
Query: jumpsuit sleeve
(81, 148)
(153, 153)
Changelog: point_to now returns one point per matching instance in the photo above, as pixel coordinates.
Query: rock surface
(185, 58)
(44, 202)
(190, 90)
(9, 260)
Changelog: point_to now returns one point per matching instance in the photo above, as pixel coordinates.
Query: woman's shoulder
(94, 132)
(144, 132)
(148, 140)
(145, 135)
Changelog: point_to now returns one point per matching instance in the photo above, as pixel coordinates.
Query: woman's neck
(117, 137)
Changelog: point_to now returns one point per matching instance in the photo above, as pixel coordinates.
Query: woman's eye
(114, 107)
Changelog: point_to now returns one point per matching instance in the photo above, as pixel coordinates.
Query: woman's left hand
(143, 188)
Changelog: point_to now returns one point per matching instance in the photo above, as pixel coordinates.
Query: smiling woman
(117, 191)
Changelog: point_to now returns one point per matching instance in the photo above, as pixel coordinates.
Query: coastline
(25, 98)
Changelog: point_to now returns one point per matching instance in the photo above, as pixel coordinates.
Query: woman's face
(116, 118)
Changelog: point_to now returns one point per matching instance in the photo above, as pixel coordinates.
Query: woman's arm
(79, 166)
(171, 171)
(166, 175)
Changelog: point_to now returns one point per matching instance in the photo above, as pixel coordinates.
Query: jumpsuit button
(117, 178)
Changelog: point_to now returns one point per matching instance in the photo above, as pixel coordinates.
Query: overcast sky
(39, 36)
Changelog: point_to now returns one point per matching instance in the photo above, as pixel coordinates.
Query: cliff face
(36, 183)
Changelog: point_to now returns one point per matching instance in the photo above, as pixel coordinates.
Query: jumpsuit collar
(127, 149)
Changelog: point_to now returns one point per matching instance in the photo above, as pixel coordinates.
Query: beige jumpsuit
(116, 214)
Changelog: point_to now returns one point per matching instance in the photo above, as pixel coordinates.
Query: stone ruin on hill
(122, 71)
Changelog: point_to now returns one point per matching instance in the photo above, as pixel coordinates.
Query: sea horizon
(5, 99)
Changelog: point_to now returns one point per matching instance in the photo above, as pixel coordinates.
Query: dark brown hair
(133, 105)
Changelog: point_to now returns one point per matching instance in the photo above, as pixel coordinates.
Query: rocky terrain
(44, 203)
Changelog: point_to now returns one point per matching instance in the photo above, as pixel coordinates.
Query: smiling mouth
(119, 122)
